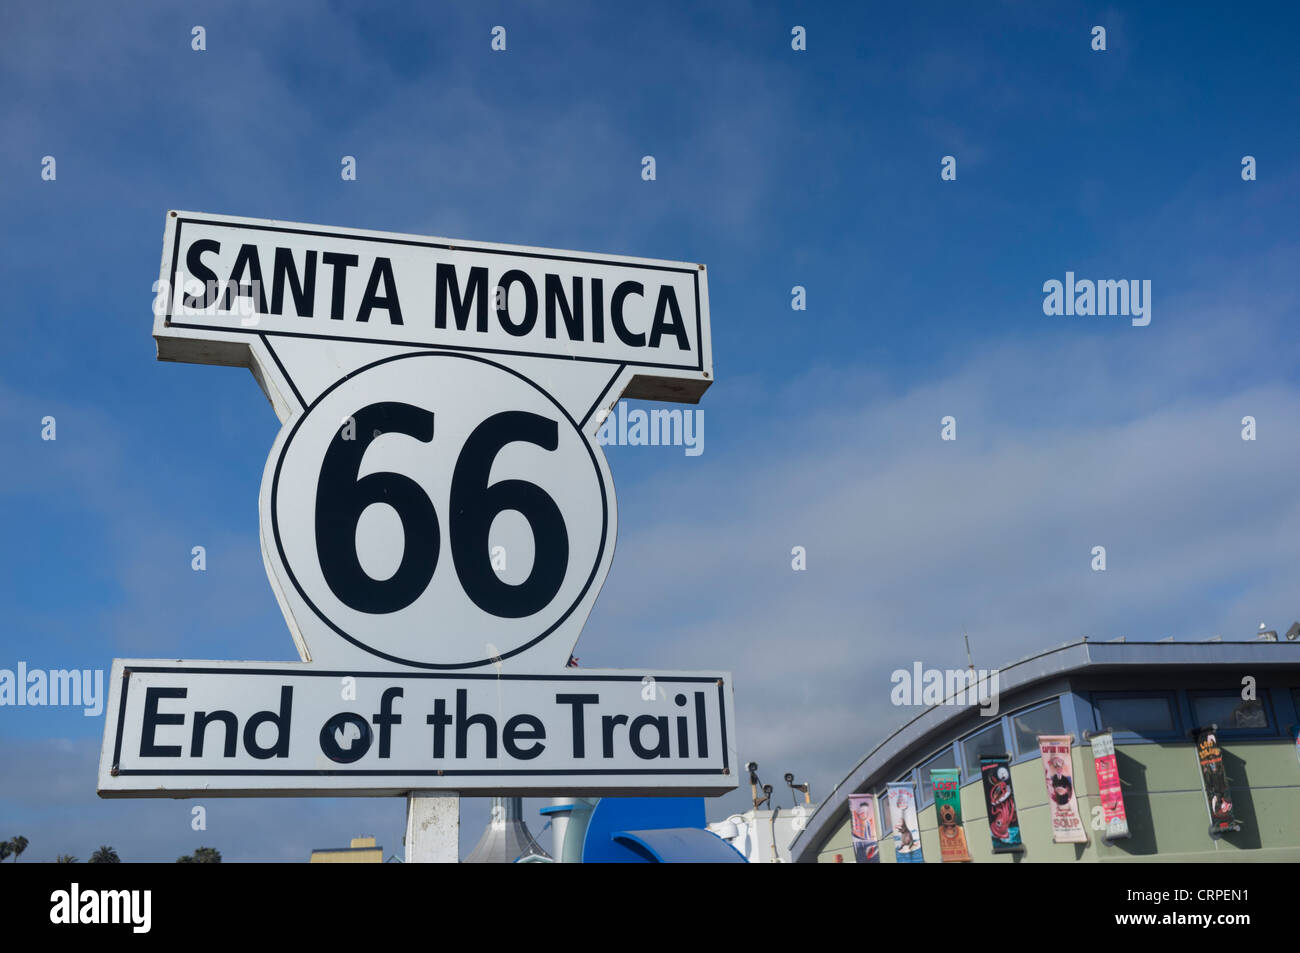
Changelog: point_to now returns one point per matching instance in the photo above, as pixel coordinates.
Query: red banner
(1108, 786)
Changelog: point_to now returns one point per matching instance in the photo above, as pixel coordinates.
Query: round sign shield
(439, 510)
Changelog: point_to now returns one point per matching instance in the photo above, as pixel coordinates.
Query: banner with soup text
(901, 815)
(1058, 772)
(947, 812)
(1108, 789)
(1217, 798)
(862, 828)
(1004, 825)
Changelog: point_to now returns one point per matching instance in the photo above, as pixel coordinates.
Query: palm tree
(105, 855)
(18, 844)
(6, 848)
(66, 859)
(204, 855)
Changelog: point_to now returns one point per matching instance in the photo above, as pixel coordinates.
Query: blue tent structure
(679, 845)
(646, 830)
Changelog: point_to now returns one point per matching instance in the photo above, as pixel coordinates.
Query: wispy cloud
(991, 534)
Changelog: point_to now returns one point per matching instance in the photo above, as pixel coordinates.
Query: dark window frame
(1018, 756)
(1177, 733)
(972, 772)
(1227, 731)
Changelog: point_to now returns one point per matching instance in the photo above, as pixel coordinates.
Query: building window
(1231, 712)
(986, 740)
(1146, 716)
(1028, 725)
(882, 806)
(944, 759)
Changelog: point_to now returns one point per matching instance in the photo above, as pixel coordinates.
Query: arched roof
(939, 723)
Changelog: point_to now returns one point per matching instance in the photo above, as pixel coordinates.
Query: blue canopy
(680, 845)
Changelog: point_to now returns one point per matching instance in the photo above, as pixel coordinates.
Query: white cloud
(912, 540)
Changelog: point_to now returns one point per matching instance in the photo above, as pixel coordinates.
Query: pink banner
(1108, 787)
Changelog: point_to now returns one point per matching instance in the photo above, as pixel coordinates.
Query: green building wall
(1163, 798)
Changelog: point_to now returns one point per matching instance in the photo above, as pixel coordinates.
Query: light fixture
(755, 784)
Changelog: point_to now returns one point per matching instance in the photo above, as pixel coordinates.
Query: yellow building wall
(361, 851)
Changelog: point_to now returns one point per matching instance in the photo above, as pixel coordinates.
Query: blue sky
(776, 168)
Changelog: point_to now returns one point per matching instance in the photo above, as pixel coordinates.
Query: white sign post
(437, 520)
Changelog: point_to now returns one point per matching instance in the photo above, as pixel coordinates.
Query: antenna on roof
(969, 662)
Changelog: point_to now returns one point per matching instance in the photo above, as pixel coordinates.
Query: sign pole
(433, 827)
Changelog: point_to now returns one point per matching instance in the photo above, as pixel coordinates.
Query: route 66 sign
(435, 507)
(511, 473)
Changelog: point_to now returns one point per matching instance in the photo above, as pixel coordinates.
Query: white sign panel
(227, 279)
(438, 510)
(180, 729)
(437, 514)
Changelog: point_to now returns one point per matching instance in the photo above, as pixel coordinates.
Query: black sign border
(119, 771)
(467, 246)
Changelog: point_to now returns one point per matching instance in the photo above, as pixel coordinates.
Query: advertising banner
(901, 815)
(947, 810)
(862, 824)
(1217, 799)
(1108, 787)
(1004, 825)
(1067, 826)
